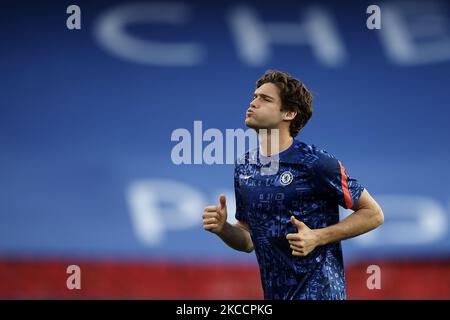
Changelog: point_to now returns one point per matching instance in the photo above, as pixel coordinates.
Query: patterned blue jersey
(310, 184)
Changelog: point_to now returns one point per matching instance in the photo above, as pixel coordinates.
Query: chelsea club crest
(286, 178)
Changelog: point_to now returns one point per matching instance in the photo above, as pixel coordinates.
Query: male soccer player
(291, 218)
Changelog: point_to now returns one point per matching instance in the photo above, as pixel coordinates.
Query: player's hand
(215, 217)
(304, 241)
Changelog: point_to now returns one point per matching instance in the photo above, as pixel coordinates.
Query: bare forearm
(236, 237)
(357, 223)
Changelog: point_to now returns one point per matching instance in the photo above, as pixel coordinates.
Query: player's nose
(254, 104)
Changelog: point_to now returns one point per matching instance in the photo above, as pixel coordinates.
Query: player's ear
(289, 115)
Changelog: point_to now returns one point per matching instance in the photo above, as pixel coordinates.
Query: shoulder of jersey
(306, 153)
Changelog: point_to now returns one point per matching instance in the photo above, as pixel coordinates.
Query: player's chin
(251, 123)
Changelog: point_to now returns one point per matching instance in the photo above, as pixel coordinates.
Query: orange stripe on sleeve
(347, 197)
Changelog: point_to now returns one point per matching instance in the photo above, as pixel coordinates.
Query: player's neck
(272, 142)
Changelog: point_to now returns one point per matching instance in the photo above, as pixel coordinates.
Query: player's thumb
(300, 225)
(223, 202)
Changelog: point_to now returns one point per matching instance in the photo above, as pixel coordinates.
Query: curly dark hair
(294, 97)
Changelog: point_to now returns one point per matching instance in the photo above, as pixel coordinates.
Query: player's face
(265, 108)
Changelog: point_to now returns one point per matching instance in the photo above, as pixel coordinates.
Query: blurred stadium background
(86, 117)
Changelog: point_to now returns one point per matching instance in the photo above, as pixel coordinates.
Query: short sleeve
(241, 214)
(333, 182)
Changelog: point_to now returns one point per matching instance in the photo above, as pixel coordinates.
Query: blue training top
(309, 184)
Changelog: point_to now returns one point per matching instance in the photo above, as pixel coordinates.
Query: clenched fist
(215, 217)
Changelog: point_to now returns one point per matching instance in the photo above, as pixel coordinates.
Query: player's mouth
(249, 113)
